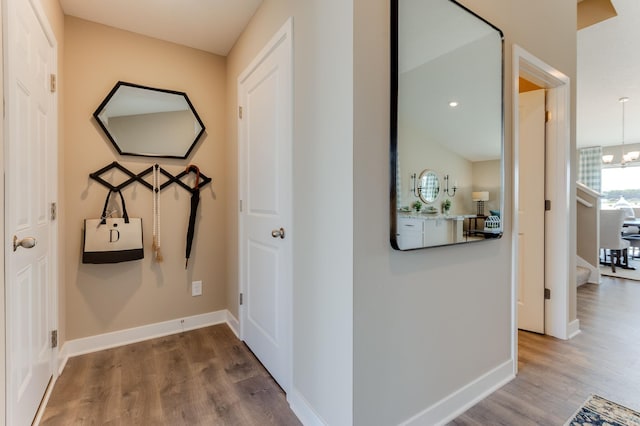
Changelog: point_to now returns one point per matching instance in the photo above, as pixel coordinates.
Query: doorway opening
(559, 250)
(531, 205)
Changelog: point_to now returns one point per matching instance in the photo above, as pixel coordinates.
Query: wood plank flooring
(555, 377)
(201, 377)
(208, 377)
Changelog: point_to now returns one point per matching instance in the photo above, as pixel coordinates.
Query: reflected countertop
(433, 216)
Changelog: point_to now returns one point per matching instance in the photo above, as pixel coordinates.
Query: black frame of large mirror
(122, 151)
(393, 154)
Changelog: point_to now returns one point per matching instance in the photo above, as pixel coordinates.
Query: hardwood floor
(208, 377)
(201, 377)
(555, 377)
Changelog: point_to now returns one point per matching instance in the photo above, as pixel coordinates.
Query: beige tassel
(157, 254)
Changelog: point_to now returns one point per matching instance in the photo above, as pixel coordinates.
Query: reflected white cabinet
(417, 232)
(410, 233)
(437, 232)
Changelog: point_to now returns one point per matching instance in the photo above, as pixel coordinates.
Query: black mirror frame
(138, 86)
(393, 127)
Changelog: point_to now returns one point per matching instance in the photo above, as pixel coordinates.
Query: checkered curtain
(590, 167)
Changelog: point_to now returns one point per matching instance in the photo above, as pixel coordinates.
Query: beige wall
(468, 176)
(103, 298)
(420, 153)
(486, 177)
(323, 197)
(429, 322)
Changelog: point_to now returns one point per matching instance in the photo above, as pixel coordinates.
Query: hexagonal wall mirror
(149, 122)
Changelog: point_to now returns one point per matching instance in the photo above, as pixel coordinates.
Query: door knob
(27, 243)
(278, 233)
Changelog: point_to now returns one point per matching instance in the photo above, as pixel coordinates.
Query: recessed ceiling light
(453, 104)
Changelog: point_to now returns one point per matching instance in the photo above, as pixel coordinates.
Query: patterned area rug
(629, 274)
(597, 411)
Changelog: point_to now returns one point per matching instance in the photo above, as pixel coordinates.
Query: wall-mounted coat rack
(204, 180)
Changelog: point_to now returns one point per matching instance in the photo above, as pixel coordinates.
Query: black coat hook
(203, 180)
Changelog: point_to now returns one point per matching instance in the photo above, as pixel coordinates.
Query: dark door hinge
(241, 298)
(54, 338)
(547, 205)
(547, 294)
(53, 84)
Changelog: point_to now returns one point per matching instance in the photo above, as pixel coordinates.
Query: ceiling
(609, 68)
(209, 25)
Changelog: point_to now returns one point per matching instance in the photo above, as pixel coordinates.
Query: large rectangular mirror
(447, 168)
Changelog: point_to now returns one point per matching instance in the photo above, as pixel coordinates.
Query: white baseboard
(303, 410)
(458, 402)
(233, 324)
(574, 328)
(114, 339)
(63, 357)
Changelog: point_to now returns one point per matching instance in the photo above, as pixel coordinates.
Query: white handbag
(112, 240)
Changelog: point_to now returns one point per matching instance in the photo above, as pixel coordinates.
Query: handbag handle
(125, 215)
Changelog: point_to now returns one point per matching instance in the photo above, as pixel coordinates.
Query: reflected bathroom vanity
(417, 231)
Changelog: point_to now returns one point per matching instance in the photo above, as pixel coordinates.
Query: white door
(30, 165)
(531, 194)
(265, 170)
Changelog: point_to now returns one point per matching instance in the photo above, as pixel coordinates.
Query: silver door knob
(27, 242)
(278, 233)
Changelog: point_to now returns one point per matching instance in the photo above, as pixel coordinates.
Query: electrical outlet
(196, 288)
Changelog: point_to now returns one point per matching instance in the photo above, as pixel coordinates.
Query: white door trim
(558, 261)
(283, 35)
(4, 168)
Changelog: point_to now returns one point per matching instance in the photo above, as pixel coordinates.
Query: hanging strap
(125, 215)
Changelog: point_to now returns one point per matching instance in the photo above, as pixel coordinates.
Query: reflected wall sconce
(414, 184)
(480, 197)
(446, 187)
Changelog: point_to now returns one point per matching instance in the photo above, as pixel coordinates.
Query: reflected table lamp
(480, 197)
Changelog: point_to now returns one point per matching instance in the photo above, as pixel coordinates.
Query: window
(620, 182)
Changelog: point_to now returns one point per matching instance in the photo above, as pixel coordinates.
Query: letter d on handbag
(112, 240)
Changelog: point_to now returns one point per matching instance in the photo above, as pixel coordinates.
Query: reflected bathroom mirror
(446, 125)
(149, 122)
(428, 188)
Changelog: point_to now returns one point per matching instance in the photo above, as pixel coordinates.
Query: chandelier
(625, 157)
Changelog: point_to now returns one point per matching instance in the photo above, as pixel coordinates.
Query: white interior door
(265, 170)
(31, 152)
(531, 195)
